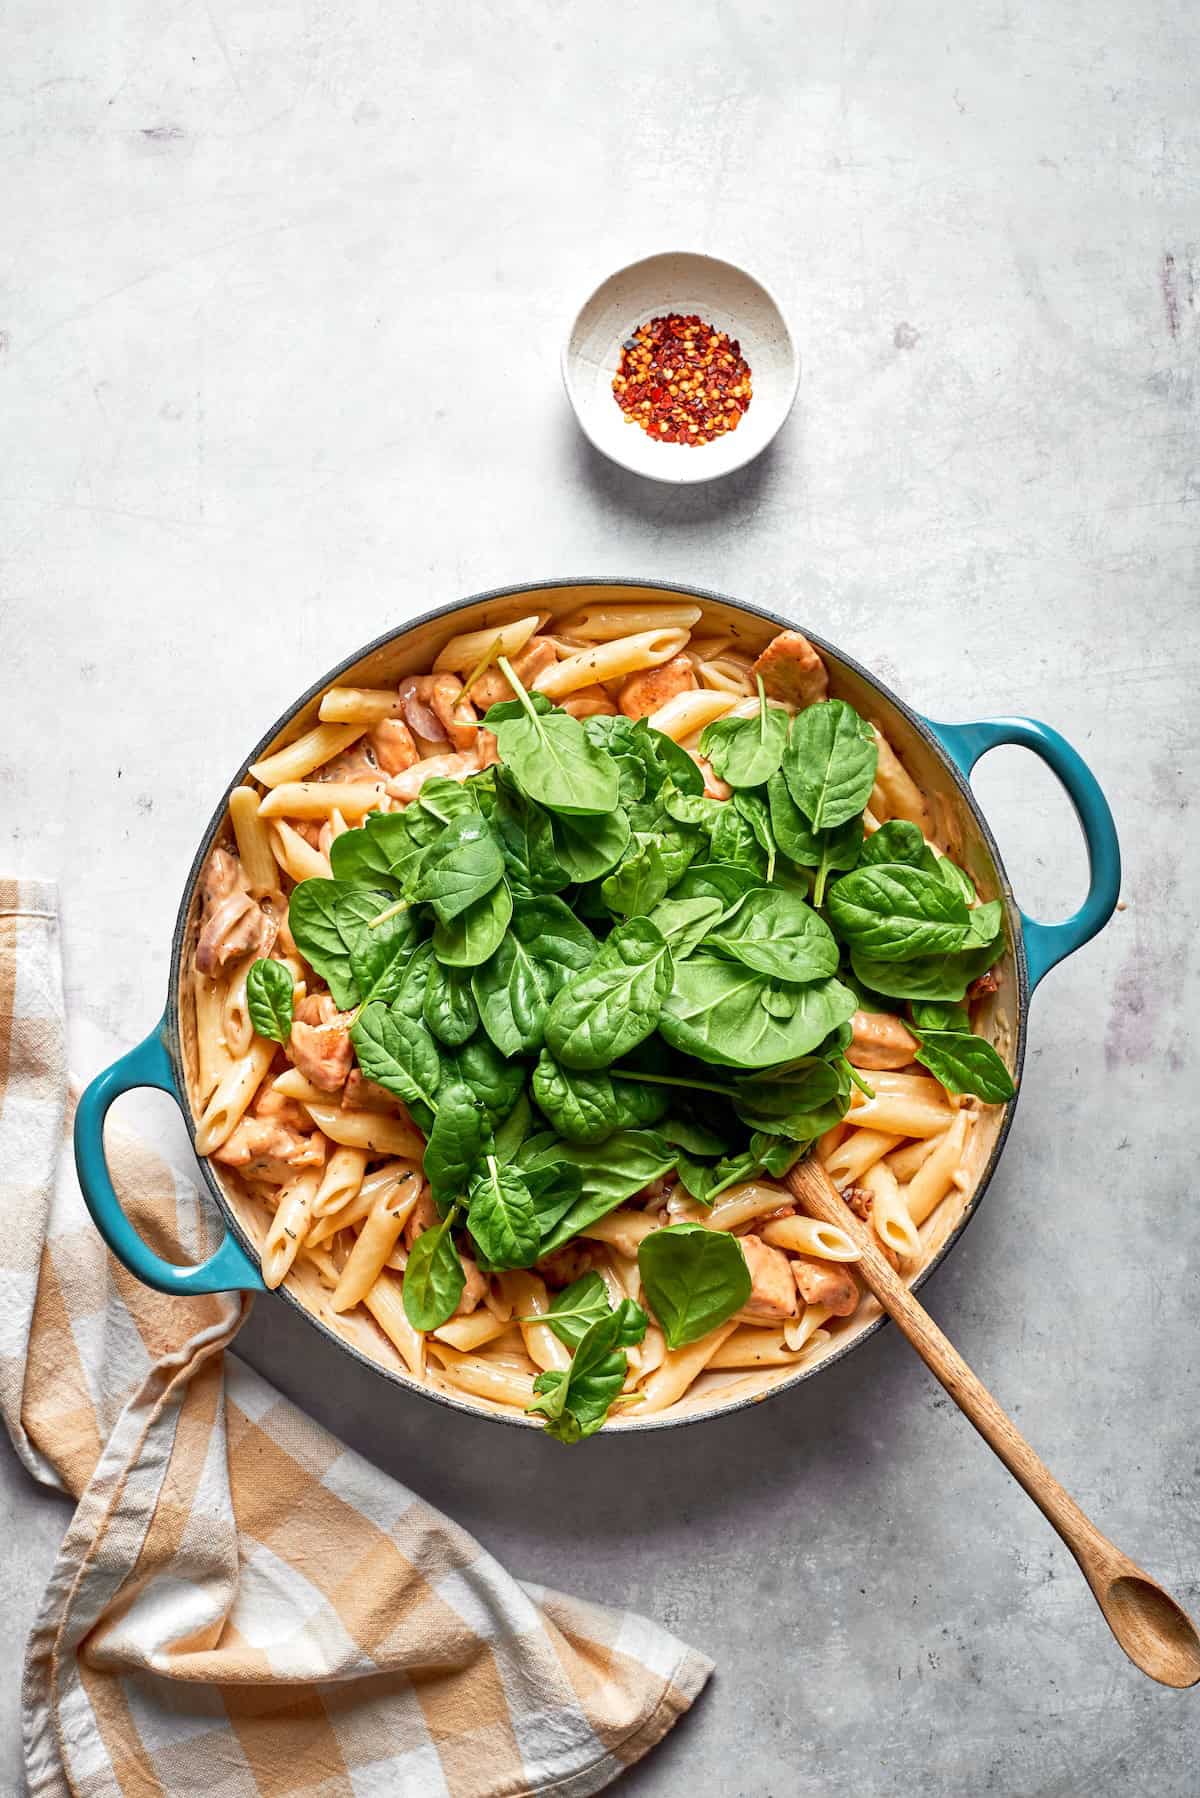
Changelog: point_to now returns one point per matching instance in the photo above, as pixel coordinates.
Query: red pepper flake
(682, 380)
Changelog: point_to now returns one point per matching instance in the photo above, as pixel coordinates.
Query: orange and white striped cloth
(241, 1604)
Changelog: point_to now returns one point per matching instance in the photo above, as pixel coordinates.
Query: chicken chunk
(589, 702)
(825, 1283)
(320, 1042)
(393, 744)
(984, 987)
(792, 670)
(644, 692)
(569, 1263)
(264, 1148)
(487, 749)
(406, 786)
(772, 1289)
(222, 876)
(457, 715)
(235, 927)
(415, 696)
(881, 1040)
(422, 1217)
(714, 786)
(492, 687)
(289, 1112)
(354, 764)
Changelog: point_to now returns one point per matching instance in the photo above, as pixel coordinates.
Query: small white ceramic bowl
(724, 296)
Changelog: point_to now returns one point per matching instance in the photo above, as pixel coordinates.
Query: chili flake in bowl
(682, 380)
(708, 324)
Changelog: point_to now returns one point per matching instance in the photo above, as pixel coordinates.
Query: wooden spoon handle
(1099, 1559)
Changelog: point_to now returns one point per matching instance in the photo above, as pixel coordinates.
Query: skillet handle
(229, 1268)
(1047, 944)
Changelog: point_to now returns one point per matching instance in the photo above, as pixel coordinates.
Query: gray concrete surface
(282, 296)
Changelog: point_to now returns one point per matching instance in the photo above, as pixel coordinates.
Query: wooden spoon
(1156, 1634)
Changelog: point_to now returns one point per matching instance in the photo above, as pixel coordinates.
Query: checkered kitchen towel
(241, 1605)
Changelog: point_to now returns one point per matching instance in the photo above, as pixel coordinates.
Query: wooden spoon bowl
(1155, 1632)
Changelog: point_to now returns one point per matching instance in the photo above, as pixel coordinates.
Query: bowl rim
(701, 475)
(173, 1037)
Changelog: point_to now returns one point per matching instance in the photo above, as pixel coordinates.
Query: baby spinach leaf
(965, 1064)
(825, 850)
(706, 1180)
(477, 932)
(734, 840)
(554, 1190)
(678, 844)
(551, 758)
(449, 1008)
(611, 1172)
(893, 913)
(588, 847)
(515, 1128)
(401, 839)
(755, 811)
(576, 1401)
(313, 922)
(692, 809)
(398, 1053)
(693, 1138)
(777, 1154)
(526, 839)
(944, 977)
(496, 1083)
(775, 932)
(455, 1144)
(769, 1103)
(269, 989)
(830, 762)
(900, 842)
(434, 1277)
(413, 981)
(723, 1012)
(460, 867)
(501, 1216)
(954, 877)
(577, 1307)
(544, 947)
(983, 924)
(603, 1013)
(444, 800)
(716, 880)
(379, 947)
(685, 922)
(660, 758)
(747, 751)
(930, 1014)
(589, 1107)
(357, 855)
(695, 1278)
(637, 883)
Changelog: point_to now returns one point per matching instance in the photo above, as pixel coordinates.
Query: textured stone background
(282, 297)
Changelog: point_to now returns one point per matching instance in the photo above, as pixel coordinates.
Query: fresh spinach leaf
(445, 800)
(769, 1102)
(965, 1064)
(550, 757)
(576, 1308)
(734, 840)
(611, 1172)
(460, 867)
(775, 932)
(449, 1008)
(693, 1138)
(694, 1278)
(983, 924)
(830, 763)
(357, 855)
(660, 758)
(455, 1144)
(588, 847)
(511, 1133)
(894, 913)
(747, 751)
(604, 1012)
(685, 922)
(827, 851)
(944, 977)
(716, 880)
(954, 877)
(434, 1277)
(313, 922)
(555, 1189)
(477, 932)
(545, 946)
(526, 837)
(756, 812)
(269, 991)
(637, 883)
(589, 1107)
(496, 1083)
(501, 1216)
(898, 841)
(575, 1401)
(706, 1180)
(723, 1012)
(397, 1052)
(930, 1014)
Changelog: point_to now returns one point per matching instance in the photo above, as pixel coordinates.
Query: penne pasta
(904, 1105)
(750, 1346)
(312, 750)
(799, 1331)
(375, 1242)
(680, 1367)
(233, 1093)
(462, 653)
(603, 624)
(905, 1162)
(725, 674)
(483, 1379)
(253, 843)
(684, 714)
(342, 1182)
(807, 1236)
(891, 1219)
(318, 798)
(298, 859)
(385, 1302)
(857, 1151)
(369, 1130)
(622, 1230)
(740, 1204)
(292, 1084)
(530, 1300)
(213, 1059)
(289, 1226)
(467, 1333)
(610, 661)
(363, 706)
(236, 1027)
(933, 1180)
(896, 794)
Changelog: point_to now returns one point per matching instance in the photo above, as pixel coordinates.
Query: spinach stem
(700, 1086)
(481, 665)
(391, 912)
(858, 1080)
(514, 681)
